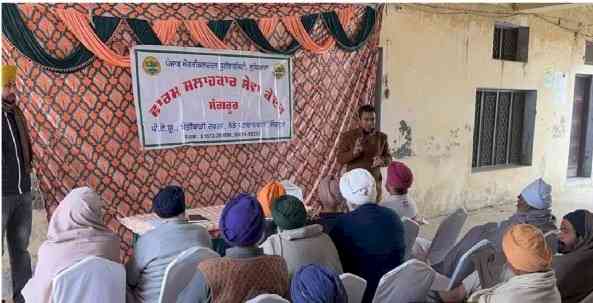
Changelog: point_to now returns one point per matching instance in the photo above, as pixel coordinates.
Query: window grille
(498, 130)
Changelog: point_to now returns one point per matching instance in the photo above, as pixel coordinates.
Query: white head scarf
(292, 189)
(538, 194)
(358, 187)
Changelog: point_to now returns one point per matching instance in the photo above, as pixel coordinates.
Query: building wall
(433, 64)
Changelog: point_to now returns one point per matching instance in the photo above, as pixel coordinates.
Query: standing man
(16, 185)
(365, 147)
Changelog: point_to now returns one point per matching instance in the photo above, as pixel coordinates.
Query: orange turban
(269, 194)
(526, 249)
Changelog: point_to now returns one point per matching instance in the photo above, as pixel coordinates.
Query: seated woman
(76, 231)
(298, 244)
(314, 283)
(244, 272)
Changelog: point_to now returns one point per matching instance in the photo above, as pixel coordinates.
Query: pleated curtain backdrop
(83, 123)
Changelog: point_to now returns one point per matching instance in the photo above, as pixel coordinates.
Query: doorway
(579, 158)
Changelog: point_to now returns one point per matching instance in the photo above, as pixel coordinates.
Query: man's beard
(368, 132)
(563, 248)
(10, 99)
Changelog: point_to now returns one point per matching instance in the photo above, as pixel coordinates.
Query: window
(503, 129)
(510, 42)
(589, 52)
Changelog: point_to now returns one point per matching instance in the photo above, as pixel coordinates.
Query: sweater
(303, 246)
(240, 279)
(154, 251)
(370, 242)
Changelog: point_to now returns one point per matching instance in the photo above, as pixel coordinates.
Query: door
(578, 126)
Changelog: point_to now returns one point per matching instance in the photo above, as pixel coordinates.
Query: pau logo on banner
(151, 65)
(196, 96)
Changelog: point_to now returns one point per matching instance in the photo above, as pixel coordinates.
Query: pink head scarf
(76, 230)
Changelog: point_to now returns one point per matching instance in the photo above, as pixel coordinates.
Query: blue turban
(242, 221)
(169, 202)
(317, 284)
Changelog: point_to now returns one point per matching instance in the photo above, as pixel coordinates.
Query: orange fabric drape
(345, 15)
(79, 25)
(166, 30)
(200, 31)
(267, 25)
(297, 30)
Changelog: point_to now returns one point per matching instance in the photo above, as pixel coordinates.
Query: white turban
(358, 187)
(292, 189)
(538, 194)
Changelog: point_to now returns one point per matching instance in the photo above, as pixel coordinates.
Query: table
(140, 224)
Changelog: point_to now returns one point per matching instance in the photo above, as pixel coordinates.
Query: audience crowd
(274, 246)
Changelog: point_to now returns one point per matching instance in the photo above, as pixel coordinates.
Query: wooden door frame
(586, 152)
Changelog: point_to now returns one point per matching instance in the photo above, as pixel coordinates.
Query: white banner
(197, 96)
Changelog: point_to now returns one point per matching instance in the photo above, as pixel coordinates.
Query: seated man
(266, 197)
(314, 283)
(157, 248)
(530, 259)
(533, 207)
(399, 180)
(244, 272)
(370, 239)
(574, 268)
(332, 204)
(298, 244)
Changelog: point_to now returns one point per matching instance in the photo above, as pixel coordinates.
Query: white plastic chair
(93, 279)
(552, 240)
(409, 282)
(355, 287)
(268, 298)
(411, 230)
(588, 299)
(181, 270)
(466, 266)
(446, 236)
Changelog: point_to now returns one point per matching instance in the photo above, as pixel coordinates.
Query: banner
(197, 96)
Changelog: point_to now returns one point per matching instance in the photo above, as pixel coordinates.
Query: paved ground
(581, 197)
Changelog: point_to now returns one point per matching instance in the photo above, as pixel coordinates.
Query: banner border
(154, 49)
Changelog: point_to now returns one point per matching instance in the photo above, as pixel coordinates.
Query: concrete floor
(575, 198)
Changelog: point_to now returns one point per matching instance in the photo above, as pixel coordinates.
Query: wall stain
(468, 128)
(560, 130)
(402, 146)
(438, 149)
